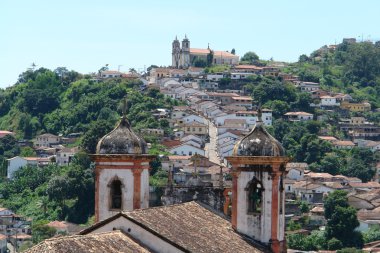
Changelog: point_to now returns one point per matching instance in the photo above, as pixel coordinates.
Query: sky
(85, 35)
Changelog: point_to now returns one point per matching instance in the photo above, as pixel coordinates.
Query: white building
(46, 140)
(192, 137)
(186, 149)
(296, 170)
(17, 162)
(243, 101)
(110, 74)
(249, 116)
(329, 101)
(307, 86)
(215, 77)
(65, 156)
(240, 76)
(194, 118)
(298, 116)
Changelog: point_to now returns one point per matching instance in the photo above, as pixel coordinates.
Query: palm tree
(43, 203)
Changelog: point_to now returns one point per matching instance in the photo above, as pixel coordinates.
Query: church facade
(183, 56)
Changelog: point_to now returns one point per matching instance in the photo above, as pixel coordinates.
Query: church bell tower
(176, 53)
(185, 61)
(121, 172)
(258, 169)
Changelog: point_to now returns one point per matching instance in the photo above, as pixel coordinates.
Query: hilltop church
(125, 223)
(185, 57)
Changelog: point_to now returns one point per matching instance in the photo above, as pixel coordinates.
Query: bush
(334, 244)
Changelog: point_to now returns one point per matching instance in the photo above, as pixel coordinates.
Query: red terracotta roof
(344, 143)
(248, 67)
(171, 143)
(179, 157)
(57, 224)
(207, 51)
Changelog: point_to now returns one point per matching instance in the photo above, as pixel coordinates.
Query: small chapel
(125, 223)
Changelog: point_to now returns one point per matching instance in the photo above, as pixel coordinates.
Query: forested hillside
(63, 102)
(353, 68)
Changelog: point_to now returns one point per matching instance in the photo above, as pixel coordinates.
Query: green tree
(27, 152)
(303, 58)
(199, 63)
(43, 203)
(210, 58)
(330, 163)
(333, 200)
(373, 234)
(304, 207)
(334, 244)
(97, 130)
(250, 57)
(40, 231)
(357, 168)
(342, 220)
(292, 225)
(279, 108)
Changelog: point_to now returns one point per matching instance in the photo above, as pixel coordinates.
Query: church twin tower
(258, 168)
(181, 56)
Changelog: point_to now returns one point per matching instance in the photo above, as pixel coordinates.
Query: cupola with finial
(122, 140)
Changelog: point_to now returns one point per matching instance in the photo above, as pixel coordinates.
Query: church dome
(121, 140)
(258, 143)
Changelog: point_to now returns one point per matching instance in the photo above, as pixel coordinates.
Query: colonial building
(184, 57)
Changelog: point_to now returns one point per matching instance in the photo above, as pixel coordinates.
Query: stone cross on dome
(125, 107)
(259, 114)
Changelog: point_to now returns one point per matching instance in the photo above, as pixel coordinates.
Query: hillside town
(202, 155)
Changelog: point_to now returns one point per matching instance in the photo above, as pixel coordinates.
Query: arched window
(281, 195)
(116, 194)
(255, 194)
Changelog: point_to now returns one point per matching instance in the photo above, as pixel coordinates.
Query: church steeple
(121, 171)
(258, 167)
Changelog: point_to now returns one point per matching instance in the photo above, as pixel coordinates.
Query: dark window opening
(255, 195)
(116, 200)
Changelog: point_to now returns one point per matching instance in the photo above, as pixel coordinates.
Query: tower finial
(176, 37)
(208, 45)
(124, 107)
(185, 37)
(259, 114)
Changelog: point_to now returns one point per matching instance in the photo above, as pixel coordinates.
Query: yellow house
(356, 107)
(195, 128)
